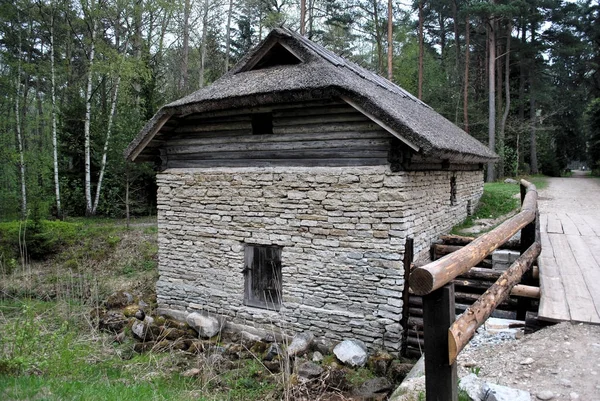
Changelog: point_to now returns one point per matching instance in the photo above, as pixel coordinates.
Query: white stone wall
(342, 231)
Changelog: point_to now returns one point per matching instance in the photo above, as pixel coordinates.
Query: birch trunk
(302, 17)
(203, 46)
(86, 127)
(228, 36)
(54, 131)
(20, 138)
(113, 107)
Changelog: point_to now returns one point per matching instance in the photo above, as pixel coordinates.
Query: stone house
(288, 187)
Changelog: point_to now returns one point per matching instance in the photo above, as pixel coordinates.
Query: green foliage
(592, 126)
(36, 239)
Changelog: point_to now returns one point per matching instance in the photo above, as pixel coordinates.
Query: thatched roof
(319, 73)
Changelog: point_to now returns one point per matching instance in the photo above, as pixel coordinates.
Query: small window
(453, 191)
(262, 272)
(262, 124)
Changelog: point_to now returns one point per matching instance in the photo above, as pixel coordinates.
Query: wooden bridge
(570, 258)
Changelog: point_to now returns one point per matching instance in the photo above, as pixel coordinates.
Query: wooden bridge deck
(570, 259)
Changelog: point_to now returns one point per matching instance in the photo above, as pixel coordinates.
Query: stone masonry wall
(342, 231)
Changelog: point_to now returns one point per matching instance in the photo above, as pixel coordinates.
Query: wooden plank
(441, 380)
(581, 306)
(245, 136)
(594, 223)
(381, 143)
(569, 227)
(328, 153)
(543, 223)
(312, 111)
(554, 225)
(339, 162)
(546, 246)
(319, 119)
(320, 128)
(553, 301)
(593, 244)
(589, 266)
(582, 225)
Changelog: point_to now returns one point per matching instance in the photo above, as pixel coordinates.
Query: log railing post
(407, 261)
(527, 239)
(441, 379)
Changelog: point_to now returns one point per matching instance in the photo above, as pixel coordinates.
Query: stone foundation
(342, 233)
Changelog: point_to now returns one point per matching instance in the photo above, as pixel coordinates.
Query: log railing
(444, 337)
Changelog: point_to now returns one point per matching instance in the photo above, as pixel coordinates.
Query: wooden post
(441, 379)
(408, 259)
(527, 239)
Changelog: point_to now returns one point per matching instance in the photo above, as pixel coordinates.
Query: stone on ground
(309, 370)
(374, 386)
(206, 326)
(478, 390)
(351, 352)
(300, 344)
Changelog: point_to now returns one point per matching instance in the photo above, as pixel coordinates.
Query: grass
(499, 199)
(49, 351)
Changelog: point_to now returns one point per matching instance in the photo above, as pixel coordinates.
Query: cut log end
(452, 348)
(421, 281)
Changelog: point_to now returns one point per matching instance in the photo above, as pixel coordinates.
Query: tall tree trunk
(54, 130)
(113, 107)
(491, 176)
(466, 77)
(228, 36)
(507, 99)
(532, 111)
(390, 37)
(20, 134)
(378, 36)
(87, 122)
(302, 17)
(522, 71)
(456, 34)
(421, 50)
(183, 82)
(203, 46)
(311, 20)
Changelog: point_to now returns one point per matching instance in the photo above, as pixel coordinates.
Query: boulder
(140, 314)
(324, 346)
(272, 352)
(309, 370)
(351, 352)
(146, 330)
(317, 357)
(511, 181)
(479, 390)
(378, 385)
(119, 299)
(206, 326)
(300, 344)
(112, 321)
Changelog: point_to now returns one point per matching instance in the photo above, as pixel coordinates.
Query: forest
(78, 80)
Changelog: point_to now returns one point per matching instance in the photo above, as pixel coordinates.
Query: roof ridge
(362, 72)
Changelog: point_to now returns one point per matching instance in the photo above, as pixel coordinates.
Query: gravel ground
(563, 359)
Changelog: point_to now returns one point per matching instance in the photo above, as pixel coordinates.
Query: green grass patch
(498, 199)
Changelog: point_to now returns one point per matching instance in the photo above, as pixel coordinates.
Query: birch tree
(88, 111)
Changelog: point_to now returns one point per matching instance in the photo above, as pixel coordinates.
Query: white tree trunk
(113, 107)
(86, 127)
(203, 47)
(20, 136)
(54, 131)
(228, 39)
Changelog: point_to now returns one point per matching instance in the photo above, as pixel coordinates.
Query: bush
(36, 239)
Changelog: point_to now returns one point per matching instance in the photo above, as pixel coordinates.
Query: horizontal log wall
(333, 134)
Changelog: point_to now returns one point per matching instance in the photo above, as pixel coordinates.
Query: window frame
(252, 260)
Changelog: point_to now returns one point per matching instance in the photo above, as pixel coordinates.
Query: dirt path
(561, 361)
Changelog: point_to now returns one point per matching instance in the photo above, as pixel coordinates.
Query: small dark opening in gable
(262, 124)
(276, 55)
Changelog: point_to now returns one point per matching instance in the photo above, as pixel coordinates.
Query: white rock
(317, 357)
(478, 390)
(206, 326)
(527, 361)
(351, 352)
(545, 395)
(300, 343)
(574, 396)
